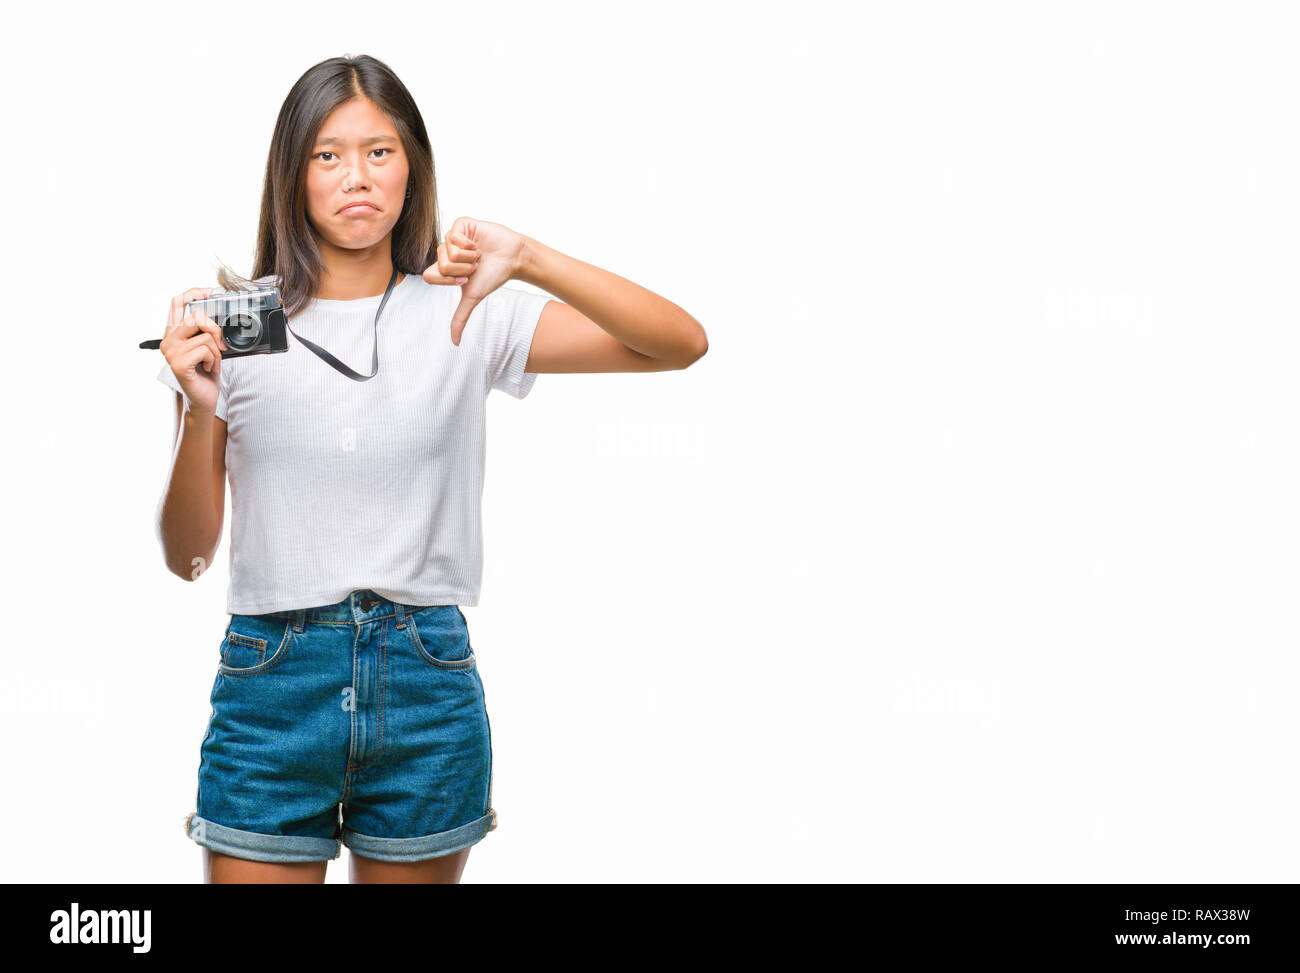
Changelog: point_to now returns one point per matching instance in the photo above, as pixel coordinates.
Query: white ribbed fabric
(338, 485)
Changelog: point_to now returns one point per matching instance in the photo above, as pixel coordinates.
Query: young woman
(347, 707)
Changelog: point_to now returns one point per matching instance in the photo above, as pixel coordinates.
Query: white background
(967, 553)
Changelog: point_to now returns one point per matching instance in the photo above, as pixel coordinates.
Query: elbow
(187, 565)
(187, 551)
(176, 566)
(188, 570)
(698, 350)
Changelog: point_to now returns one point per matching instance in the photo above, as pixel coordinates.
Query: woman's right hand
(190, 341)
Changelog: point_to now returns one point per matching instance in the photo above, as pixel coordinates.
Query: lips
(356, 207)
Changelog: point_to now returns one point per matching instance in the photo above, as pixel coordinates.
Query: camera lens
(242, 331)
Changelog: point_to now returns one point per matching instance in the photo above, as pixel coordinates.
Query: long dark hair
(286, 248)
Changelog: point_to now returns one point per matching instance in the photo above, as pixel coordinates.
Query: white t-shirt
(338, 485)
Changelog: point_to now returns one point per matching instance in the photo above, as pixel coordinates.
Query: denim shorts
(362, 723)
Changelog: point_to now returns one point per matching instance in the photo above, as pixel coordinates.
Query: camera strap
(329, 359)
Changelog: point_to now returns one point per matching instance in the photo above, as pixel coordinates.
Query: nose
(356, 179)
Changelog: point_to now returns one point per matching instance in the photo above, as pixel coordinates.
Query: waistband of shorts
(361, 605)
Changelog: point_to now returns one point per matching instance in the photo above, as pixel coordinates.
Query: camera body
(251, 321)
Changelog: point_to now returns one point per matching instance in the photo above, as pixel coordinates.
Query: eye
(389, 151)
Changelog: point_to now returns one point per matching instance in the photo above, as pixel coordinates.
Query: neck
(353, 274)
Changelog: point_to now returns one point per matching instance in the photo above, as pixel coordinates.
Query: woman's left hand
(478, 257)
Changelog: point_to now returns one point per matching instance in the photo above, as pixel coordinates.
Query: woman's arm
(599, 322)
(192, 507)
(640, 320)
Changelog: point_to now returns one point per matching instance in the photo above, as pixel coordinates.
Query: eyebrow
(370, 141)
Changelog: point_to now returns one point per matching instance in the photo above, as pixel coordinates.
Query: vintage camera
(252, 321)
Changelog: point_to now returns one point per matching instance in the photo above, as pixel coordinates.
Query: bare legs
(443, 870)
(219, 869)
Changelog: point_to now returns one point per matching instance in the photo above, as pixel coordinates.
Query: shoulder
(421, 288)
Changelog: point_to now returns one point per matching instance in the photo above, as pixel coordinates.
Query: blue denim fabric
(362, 722)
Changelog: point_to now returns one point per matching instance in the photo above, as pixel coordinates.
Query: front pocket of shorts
(440, 637)
(253, 644)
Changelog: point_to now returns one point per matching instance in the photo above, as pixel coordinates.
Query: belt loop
(299, 620)
(401, 615)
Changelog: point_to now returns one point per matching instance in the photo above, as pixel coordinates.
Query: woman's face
(345, 155)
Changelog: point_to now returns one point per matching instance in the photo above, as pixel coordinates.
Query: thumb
(458, 320)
